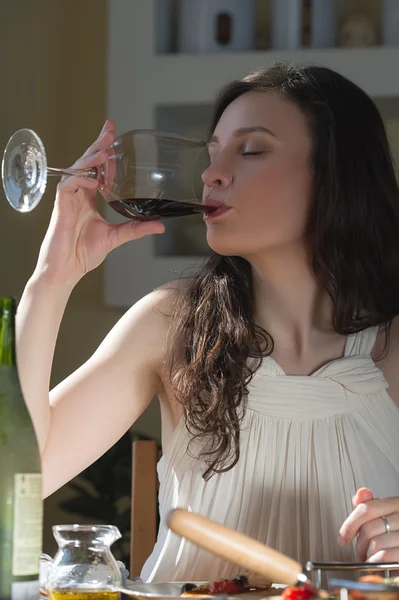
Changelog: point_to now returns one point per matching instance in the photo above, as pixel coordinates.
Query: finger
(376, 529)
(364, 512)
(370, 531)
(390, 555)
(133, 230)
(92, 160)
(362, 495)
(109, 124)
(386, 541)
(74, 184)
(104, 140)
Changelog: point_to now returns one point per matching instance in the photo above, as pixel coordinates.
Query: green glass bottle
(21, 506)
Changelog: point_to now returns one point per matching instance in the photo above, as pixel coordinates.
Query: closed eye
(253, 153)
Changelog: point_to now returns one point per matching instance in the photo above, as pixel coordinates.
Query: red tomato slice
(223, 587)
(302, 592)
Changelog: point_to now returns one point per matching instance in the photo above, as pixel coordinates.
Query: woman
(274, 412)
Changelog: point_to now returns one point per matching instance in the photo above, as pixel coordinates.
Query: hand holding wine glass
(144, 175)
(78, 238)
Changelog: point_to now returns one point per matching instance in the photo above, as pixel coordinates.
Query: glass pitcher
(84, 567)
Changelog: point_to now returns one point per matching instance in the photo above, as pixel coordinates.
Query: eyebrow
(244, 130)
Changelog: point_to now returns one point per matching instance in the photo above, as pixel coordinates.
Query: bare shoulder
(161, 303)
(389, 361)
(166, 295)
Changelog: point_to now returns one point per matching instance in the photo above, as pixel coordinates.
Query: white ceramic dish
(173, 590)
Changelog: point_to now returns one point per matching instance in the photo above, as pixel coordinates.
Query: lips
(209, 201)
(217, 208)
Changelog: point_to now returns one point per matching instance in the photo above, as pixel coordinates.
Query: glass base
(24, 170)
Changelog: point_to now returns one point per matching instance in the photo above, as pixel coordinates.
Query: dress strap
(361, 343)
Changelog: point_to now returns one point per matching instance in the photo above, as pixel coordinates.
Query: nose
(217, 176)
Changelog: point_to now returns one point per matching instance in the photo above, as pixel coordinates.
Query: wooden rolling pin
(235, 547)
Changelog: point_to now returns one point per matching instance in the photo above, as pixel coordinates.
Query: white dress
(307, 444)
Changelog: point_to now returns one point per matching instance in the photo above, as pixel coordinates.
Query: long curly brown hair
(353, 230)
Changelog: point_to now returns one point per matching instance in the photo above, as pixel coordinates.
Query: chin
(227, 245)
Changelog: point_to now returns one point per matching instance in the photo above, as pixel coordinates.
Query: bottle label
(28, 519)
(25, 590)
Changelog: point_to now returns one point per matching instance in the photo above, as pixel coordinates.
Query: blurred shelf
(196, 77)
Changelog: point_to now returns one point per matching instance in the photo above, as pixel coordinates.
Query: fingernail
(341, 540)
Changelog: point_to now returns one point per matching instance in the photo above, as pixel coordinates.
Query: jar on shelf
(216, 25)
(286, 30)
(390, 23)
(303, 23)
(163, 26)
(323, 23)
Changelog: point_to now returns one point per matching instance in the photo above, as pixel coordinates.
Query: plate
(171, 590)
(363, 586)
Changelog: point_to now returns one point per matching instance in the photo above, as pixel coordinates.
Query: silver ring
(387, 525)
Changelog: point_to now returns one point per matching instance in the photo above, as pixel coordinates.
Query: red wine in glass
(151, 209)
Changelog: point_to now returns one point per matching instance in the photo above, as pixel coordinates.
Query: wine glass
(148, 174)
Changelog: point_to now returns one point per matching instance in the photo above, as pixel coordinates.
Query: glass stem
(91, 172)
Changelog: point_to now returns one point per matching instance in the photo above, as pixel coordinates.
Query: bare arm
(91, 409)
(95, 406)
(38, 321)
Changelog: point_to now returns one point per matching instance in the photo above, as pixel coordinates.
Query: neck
(290, 303)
